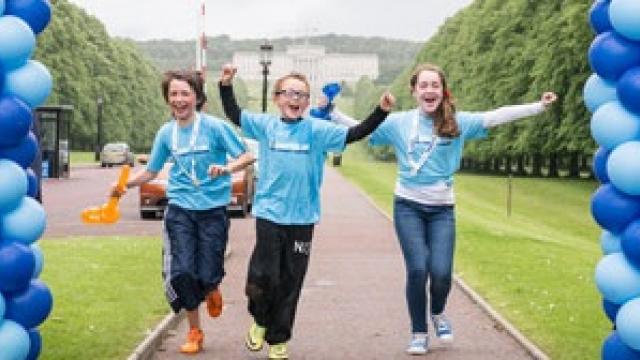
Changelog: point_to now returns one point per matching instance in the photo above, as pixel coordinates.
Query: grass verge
(107, 295)
(535, 267)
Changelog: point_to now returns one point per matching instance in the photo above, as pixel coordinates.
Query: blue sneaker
(419, 344)
(442, 327)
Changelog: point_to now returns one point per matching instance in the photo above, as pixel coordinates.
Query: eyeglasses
(293, 94)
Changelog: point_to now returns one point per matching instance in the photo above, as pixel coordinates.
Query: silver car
(116, 154)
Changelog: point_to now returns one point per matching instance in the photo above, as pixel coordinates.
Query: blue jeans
(193, 254)
(427, 238)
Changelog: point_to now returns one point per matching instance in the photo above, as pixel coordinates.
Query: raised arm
(228, 99)
(359, 131)
(507, 114)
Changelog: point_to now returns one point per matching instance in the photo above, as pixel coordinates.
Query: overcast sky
(242, 19)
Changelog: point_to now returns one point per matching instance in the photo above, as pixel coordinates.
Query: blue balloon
(614, 210)
(16, 266)
(31, 306)
(599, 16)
(31, 82)
(15, 120)
(628, 323)
(600, 164)
(616, 278)
(614, 349)
(13, 185)
(36, 344)
(32, 180)
(630, 243)
(597, 91)
(612, 124)
(623, 167)
(36, 13)
(623, 15)
(628, 90)
(14, 341)
(17, 42)
(24, 153)
(3, 307)
(39, 258)
(609, 243)
(610, 309)
(25, 224)
(610, 55)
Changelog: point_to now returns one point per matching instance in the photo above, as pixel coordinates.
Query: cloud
(153, 19)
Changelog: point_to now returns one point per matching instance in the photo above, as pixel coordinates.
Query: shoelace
(442, 325)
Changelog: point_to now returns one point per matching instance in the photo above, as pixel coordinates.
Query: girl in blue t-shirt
(199, 189)
(292, 150)
(428, 143)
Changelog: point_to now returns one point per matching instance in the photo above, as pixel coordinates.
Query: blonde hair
(444, 119)
(293, 75)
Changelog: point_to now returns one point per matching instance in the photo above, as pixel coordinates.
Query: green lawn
(82, 157)
(535, 267)
(107, 294)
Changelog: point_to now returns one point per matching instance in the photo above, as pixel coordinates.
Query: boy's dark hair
(193, 78)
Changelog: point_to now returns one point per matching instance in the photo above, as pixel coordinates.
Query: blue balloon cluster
(330, 90)
(25, 301)
(612, 95)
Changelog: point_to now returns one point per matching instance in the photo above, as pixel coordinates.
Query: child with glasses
(292, 150)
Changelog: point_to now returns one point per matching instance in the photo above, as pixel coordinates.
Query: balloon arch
(612, 94)
(25, 301)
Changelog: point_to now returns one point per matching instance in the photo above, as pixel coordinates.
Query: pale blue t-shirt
(443, 162)
(291, 157)
(216, 139)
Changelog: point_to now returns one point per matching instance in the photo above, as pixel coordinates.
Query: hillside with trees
(87, 64)
(497, 53)
(393, 55)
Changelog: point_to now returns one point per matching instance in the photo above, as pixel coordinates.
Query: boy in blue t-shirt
(292, 151)
(199, 189)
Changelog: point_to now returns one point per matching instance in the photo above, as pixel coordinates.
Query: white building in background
(312, 61)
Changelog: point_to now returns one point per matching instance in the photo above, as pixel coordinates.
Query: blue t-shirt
(291, 157)
(216, 139)
(444, 160)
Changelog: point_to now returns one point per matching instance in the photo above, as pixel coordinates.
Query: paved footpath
(352, 304)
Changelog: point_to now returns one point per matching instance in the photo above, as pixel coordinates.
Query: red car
(153, 196)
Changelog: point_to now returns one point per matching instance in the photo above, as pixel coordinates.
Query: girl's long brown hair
(444, 119)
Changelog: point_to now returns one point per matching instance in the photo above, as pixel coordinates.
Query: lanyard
(192, 145)
(414, 137)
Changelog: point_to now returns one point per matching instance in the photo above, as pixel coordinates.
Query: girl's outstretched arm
(507, 114)
(339, 117)
(359, 131)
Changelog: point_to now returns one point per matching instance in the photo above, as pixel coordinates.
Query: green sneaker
(278, 351)
(255, 337)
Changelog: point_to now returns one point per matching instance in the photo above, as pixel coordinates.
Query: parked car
(116, 154)
(153, 197)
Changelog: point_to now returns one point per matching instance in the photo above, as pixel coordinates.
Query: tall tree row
(500, 52)
(86, 64)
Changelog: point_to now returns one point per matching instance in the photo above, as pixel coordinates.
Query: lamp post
(99, 103)
(266, 51)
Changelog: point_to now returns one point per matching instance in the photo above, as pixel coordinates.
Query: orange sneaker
(214, 303)
(195, 338)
